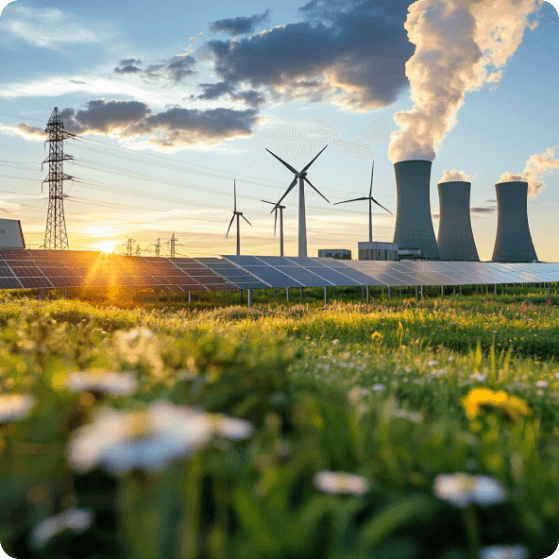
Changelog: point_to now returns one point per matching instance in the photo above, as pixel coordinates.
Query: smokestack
(456, 240)
(513, 242)
(414, 226)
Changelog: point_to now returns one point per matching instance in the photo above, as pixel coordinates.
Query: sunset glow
(106, 245)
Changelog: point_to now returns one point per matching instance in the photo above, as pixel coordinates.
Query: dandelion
(502, 552)
(341, 483)
(14, 407)
(461, 489)
(104, 382)
(148, 439)
(376, 336)
(478, 398)
(76, 520)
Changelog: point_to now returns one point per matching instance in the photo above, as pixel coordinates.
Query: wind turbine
(238, 215)
(371, 199)
(300, 176)
(275, 210)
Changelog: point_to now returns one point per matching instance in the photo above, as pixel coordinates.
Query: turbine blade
(229, 228)
(286, 193)
(273, 203)
(275, 221)
(234, 196)
(352, 200)
(307, 166)
(381, 206)
(246, 220)
(280, 159)
(316, 189)
(371, 189)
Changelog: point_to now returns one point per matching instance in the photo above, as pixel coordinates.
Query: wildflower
(479, 377)
(139, 345)
(440, 372)
(335, 342)
(104, 382)
(15, 406)
(462, 489)
(432, 363)
(341, 483)
(148, 439)
(542, 383)
(379, 387)
(477, 398)
(376, 336)
(502, 552)
(76, 520)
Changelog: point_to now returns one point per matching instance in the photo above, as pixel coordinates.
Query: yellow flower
(376, 336)
(477, 398)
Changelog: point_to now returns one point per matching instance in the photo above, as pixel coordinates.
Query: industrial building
(378, 251)
(338, 253)
(414, 225)
(514, 241)
(455, 239)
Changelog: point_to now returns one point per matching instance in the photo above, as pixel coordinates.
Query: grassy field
(387, 429)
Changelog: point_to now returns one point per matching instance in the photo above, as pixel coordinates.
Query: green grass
(372, 389)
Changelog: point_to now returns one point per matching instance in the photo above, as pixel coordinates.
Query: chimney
(513, 242)
(456, 240)
(414, 226)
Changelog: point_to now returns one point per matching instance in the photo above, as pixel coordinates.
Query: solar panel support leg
(362, 292)
(250, 298)
(287, 294)
(495, 289)
(389, 293)
(460, 290)
(301, 294)
(421, 291)
(65, 293)
(156, 295)
(416, 292)
(367, 292)
(189, 297)
(131, 294)
(548, 289)
(442, 289)
(168, 296)
(326, 295)
(41, 294)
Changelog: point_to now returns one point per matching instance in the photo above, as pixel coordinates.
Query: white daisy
(501, 552)
(76, 520)
(14, 407)
(106, 382)
(461, 489)
(341, 483)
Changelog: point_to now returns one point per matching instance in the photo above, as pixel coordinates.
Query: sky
(171, 105)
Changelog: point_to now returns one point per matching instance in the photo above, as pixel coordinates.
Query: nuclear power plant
(456, 240)
(514, 241)
(414, 226)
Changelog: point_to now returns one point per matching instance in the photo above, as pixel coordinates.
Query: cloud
(483, 211)
(454, 175)
(238, 25)
(174, 69)
(354, 57)
(215, 90)
(172, 129)
(460, 47)
(51, 28)
(23, 130)
(537, 165)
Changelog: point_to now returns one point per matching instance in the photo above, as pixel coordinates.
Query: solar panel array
(25, 269)
(324, 272)
(21, 269)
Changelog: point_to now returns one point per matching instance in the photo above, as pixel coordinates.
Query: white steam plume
(461, 46)
(454, 175)
(537, 164)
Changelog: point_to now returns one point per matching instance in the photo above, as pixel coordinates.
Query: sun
(106, 246)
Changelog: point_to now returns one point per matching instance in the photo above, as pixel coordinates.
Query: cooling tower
(456, 240)
(414, 226)
(513, 242)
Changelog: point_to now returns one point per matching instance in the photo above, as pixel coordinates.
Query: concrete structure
(11, 234)
(514, 241)
(414, 226)
(410, 254)
(455, 239)
(378, 251)
(338, 253)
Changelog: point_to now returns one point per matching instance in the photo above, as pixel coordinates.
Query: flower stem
(472, 531)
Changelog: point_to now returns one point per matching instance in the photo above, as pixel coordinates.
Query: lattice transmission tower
(55, 233)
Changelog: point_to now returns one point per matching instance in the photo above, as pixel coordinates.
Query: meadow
(402, 428)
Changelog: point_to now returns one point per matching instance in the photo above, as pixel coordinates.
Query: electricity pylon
(55, 232)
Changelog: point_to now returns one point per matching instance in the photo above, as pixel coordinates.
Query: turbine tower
(275, 210)
(514, 241)
(456, 240)
(55, 232)
(238, 215)
(371, 200)
(414, 225)
(300, 176)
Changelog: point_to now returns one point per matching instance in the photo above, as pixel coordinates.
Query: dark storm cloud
(483, 211)
(181, 66)
(173, 128)
(238, 25)
(352, 52)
